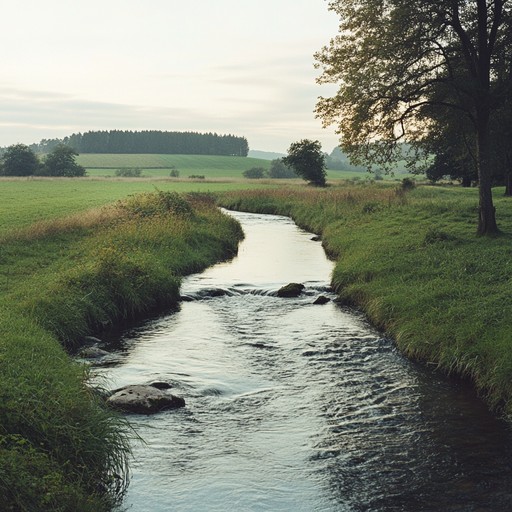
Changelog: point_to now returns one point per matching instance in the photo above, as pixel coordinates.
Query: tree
(279, 170)
(19, 160)
(61, 162)
(255, 173)
(307, 160)
(392, 57)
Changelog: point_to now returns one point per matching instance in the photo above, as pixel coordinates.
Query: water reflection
(293, 406)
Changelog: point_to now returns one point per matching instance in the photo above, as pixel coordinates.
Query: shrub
(407, 184)
(279, 170)
(174, 173)
(156, 203)
(254, 173)
(129, 172)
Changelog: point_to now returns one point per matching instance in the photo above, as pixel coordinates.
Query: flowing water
(293, 406)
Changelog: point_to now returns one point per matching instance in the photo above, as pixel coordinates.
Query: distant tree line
(149, 141)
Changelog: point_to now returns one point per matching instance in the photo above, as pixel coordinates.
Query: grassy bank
(60, 448)
(412, 262)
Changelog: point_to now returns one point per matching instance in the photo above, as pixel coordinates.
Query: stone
(160, 384)
(290, 290)
(322, 299)
(93, 353)
(143, 399)
(316, 238)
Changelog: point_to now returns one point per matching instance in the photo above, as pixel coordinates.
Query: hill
(265, 155)
(154, 165)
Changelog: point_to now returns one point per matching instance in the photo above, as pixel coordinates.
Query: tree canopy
(398, 62)
(19, 160)
(307, 160)
(61, 162)
(279, 170)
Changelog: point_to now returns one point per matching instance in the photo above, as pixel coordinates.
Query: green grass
(212, 167)
(24, 201)
(61, 449)
(413, 263)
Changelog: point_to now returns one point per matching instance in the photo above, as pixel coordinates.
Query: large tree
(306, 158)
(391, 57)
(61, 162)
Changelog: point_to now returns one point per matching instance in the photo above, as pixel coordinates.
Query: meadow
(27, 200)
(410, 259)
(211, 167)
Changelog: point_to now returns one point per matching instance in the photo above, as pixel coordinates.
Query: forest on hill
(149, 141)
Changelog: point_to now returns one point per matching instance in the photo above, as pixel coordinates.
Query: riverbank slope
(61, 449)
(410, 259)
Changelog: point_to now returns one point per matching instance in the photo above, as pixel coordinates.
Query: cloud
(31, 115)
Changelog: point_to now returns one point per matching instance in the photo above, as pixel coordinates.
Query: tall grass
(412, 262)
(61, 449)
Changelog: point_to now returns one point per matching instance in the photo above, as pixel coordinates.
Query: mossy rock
(290, 290)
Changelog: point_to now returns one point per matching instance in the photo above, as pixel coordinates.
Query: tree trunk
(487, 212)
(466, 181)
(508, 174)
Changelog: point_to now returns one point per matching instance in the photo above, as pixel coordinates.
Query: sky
(244, 67)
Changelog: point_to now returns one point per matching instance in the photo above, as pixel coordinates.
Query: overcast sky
(228, 66)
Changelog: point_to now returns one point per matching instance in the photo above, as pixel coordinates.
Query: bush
(174, 173)
(407, 184)
(254, 173)
(279, 170)
(129, 172)
(156, 203)
(197, 176)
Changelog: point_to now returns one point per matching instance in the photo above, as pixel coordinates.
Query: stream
(293, 406)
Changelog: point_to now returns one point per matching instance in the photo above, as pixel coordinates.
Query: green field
(26, 200)
(211, 167)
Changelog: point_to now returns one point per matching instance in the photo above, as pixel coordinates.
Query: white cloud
(231, 66)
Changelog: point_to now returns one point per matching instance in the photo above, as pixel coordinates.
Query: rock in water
(93, 353)
(143, 399)
(322, 299)
(290, 290)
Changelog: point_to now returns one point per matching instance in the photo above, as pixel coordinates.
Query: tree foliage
(397, 61)
(307, 160)
(255, 173)
(279, 170)
(19, 160)
(61, 162)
